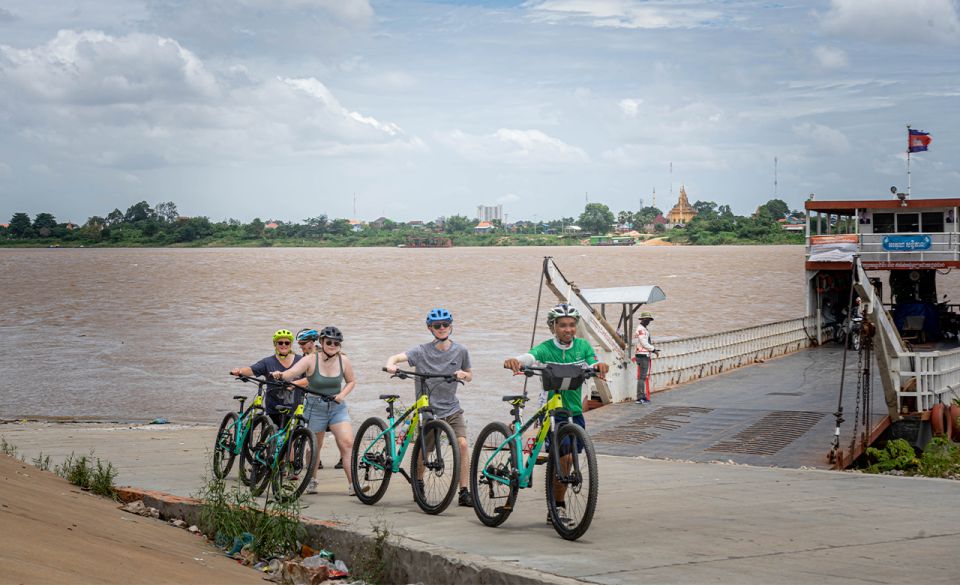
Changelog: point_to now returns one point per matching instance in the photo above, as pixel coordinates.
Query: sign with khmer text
(906, 243)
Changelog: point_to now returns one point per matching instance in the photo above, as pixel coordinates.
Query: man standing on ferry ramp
(644, 351)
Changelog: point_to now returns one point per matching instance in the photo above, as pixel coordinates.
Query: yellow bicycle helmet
(283, 333)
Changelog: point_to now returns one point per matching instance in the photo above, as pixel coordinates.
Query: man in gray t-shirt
(443, 356)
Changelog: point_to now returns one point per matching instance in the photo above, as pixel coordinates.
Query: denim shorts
(322, 414)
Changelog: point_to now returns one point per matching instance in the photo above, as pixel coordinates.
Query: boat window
(908, 223)
(932, 221)
(883, 223)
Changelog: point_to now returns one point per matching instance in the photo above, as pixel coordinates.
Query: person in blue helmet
(443, 356)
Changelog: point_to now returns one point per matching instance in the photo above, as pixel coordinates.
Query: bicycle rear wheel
(296, 466)
(257, 431)
(225, 447)
(261, 453)
(370, 461)
(436, 479)
(493, 500)
(577, 473)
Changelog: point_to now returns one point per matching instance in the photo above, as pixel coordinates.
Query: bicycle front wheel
(370, 461)
(573, 480)
(435, 467)
(225, 447)
(296, 467)
(262, 453)
(493, 474)
(259, 427)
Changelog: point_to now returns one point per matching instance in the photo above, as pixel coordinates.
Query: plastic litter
(317, 561)
(239, 542)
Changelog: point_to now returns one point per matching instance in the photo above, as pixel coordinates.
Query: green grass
(89, 473)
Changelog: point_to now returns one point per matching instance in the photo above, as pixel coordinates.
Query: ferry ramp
(778, 413)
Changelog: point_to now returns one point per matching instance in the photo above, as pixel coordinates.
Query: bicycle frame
(396, 455)
(524, 478)
(283, 436)
(242, 424)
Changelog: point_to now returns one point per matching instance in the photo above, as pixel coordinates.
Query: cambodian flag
(918, 141)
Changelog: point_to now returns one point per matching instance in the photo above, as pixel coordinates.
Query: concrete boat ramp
(658, 521)
(778, 413)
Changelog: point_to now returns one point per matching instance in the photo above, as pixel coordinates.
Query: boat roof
(849, 206)
(625, 295)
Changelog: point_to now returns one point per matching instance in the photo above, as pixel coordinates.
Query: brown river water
(134, 334)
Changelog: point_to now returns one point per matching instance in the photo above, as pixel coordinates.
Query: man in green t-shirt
(563, 348)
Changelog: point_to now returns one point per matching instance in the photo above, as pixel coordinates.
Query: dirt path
(52, 532)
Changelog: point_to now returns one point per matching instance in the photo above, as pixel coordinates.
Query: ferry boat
(612, 241)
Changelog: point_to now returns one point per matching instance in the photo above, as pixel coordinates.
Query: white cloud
(635, 14)
(657, 156)
(822, 139)
(830, 57)
(508, 198)
(93, 68)
(630, 107)
(513, 146)
(143, 101)
(882, 21)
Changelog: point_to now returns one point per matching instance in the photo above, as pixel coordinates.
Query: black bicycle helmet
(331, 332)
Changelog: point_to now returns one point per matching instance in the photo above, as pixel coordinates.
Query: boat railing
(691, 358)
(904, 247)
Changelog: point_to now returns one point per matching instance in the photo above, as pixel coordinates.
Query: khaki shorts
(456, 421)
(459, 424)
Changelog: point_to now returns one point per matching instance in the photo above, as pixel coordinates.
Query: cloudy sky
(288, 109)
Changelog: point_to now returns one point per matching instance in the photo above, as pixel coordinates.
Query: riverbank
(55, 533)
(656, 522)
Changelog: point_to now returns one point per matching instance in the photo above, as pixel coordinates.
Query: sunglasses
(305, 342)
(282, 342)
(440, 325)
(331, 343)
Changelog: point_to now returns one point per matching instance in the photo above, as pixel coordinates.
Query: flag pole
(908, 160)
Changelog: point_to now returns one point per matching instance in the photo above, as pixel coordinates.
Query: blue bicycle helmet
(308, 335)
(439, 315)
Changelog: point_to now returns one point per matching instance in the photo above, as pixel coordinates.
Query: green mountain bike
(378, 452)
(500, 465)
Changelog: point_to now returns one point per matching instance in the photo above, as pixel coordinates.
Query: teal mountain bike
(500, 464)
(233, 432)
(286, 459)
(380, 446)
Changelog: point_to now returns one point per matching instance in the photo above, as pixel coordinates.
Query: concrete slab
(657, 521)
(778, 413)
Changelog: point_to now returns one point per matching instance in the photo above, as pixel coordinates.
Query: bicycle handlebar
(528, 371)
(404, 374)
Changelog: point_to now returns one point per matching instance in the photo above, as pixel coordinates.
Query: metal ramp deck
(778, 413)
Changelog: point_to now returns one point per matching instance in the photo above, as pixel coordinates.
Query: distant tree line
(161, 225)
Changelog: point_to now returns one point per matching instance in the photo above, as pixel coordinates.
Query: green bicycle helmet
(281, 333)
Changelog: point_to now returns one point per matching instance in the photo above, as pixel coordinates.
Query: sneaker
(312, 487)
(351, 491)
(339, 465)
(466, 498)
(642, 401)
(562, 513)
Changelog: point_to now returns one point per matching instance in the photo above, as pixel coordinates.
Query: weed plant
(370, 562)
(41, 462)
(83, 472)
(7, 448)
(227, 512)
(941, 458)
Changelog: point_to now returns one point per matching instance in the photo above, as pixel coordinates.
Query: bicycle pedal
(502, 509)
